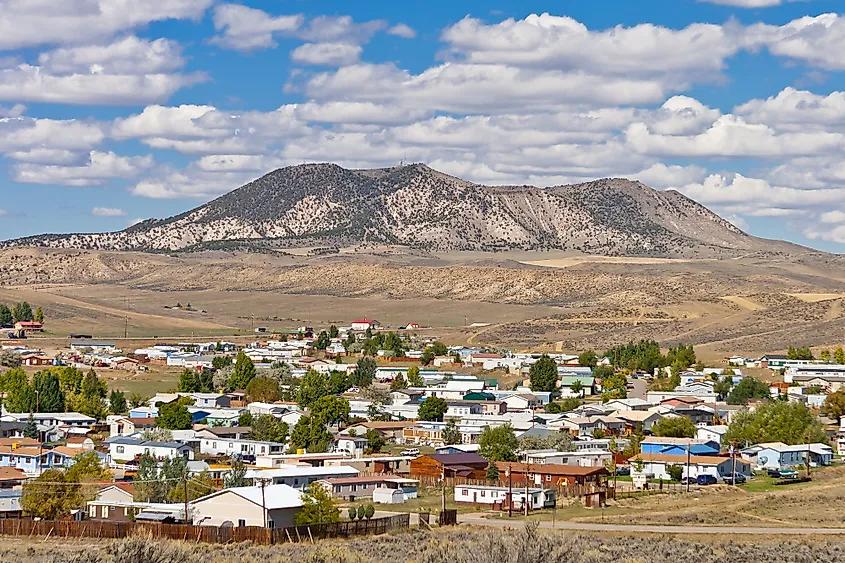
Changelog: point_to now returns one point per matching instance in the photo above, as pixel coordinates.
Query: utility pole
(263, 501)
(733, 462)
(443, 489)
(808, 455)
(510, 492)
(188, 521)
(525, 500)
(689, 456)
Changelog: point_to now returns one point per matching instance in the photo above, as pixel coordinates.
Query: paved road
(590, 527)
(639, 390)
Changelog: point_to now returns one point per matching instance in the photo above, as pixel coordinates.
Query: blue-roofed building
(679, 446)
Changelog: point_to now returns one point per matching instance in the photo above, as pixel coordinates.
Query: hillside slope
(418, 207)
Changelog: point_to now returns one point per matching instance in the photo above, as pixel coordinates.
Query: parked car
(688, 481)
(736, 478)
(623, 469)
(410, 451)
(705, 480)
(774, 473)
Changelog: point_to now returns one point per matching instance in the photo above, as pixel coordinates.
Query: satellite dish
(763, 459)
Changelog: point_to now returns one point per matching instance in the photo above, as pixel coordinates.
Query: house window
(548, 477)
(213, 445)
(104, 512)
(366, 464)
(465, 492)
(126, 511)
(119, 449)
(92, 511)
(484, 493)
(296, 481)
(241, 523)
(271, 524)
(354, 488)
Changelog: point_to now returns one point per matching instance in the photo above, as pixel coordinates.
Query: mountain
(416, 206)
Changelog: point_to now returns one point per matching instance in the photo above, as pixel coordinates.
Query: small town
(375, 428)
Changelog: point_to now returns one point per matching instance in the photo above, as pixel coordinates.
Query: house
(679, 446)
(498, 497)
(33, 460)
(643, 420)
(458, 409)
(272, 506)
(232, 446)
(412, 326)
(10, 503)
(225, 432)
(211, 400)
(11, 478)
(550, 475)
(587, 384)
(96, 346)
(300, 476)
(257, 409)
(364, 324)
(10, 429)
(712, 433)
(630, 404)
(389, 430)
(28, 327)
(362, 487)
(582, 458)
(126, 426)
(37, 360)
(81, 443)
(378, 464)
(469, 465)
(131, 511)
(431, 433)
(353, 445)
(126, 448)
(523, 402)
(776, 455)
(404, 396)
(458, 449)
(116, 492)
(657, 465)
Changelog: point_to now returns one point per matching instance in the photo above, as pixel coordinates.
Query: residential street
(591, 527)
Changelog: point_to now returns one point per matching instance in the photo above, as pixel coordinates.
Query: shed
(383, 495)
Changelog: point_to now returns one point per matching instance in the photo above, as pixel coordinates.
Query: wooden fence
(206, 534)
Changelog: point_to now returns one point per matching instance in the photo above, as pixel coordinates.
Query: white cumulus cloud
(108, 212)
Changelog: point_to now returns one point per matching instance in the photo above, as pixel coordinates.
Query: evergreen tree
(414, 377)
(31, 429)
(92, 386)
(117, 402)
(6, 318)
(243, 373)
(49, 394)
(543, 375)
(22, 312)
(323, 340)
(492, 472)
(375, 442)
(398, 382)
(365, 372)
(318, 507)
(188, 382)
(21, 398)
(333, 332)
(39, 315)
(839, 355)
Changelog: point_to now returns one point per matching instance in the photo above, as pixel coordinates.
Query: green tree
(748, 388)
(318, 507)
(613, 384)
(399, 382)
(587, 359)
(365, 372)
(577, 387)
(70, 380)
(543, 375)
(6, 318)
(49, 396)
(682, 354)
(839, 355)
(93, 386)
(323, 340)
(375, 441)
(777, 421)
(220, 362)
(243, 373)
(39, 315)
(245, 419)
(268, 428)
(676, 472)
(21, 398)
(565, 405)
(825, 355)
(331, 410)
(352, 513)
(12, 379)
(10, 359)
(312, 387)
(427, 357)
(31, 429)
(414, 377)
(361, 512)
(50, 496)
(675, 427)
(723, 386)
(311, 435)
(188, 382)
(369, 511)
(333, 332)
(834, 405)
(22, 312)
(802, 353)
(492, 472)
(148, 485)
(262, 390)
(174, 416)
(339, 382)
(432, 408)
(451, 434)
(117, 402)
(498, 443)
(642, 356)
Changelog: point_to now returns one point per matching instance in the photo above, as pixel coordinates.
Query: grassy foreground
(460, 545)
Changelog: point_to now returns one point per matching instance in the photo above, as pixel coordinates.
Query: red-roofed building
(28, 327)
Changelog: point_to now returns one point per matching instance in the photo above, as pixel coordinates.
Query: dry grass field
(461, 545)
(526, 300)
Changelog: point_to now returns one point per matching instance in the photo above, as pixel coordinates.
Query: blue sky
(114, 111)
